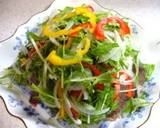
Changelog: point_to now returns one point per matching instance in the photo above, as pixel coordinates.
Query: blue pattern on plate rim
(13, 102)
(28, 110)
(18, 44)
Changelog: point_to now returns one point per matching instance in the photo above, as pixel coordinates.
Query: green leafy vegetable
(148, 68)
(42, 92)
(36, 37)
(134, 104)
(103, 48)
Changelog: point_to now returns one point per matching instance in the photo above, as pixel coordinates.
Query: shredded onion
(125, 82)
(75, 87)
(23, 49)
(48, 104)
(69, 25)
(39, 53)
(114, 54)
(90, 111)
(108, 37)
(54, 41)
(68, 107)
(129, 90)
(16, 69)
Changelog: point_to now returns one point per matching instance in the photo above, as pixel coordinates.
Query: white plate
(17, 99)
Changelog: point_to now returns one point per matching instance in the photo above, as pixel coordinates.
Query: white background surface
(145, 12)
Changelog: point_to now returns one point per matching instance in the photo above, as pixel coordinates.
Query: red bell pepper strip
(83, 25)
(96, 72)
(130, 85)
(75, 114)
(99, 33)
(100, 86)
(117, 90)
(130, 94)
(34, 99)
(75, 93)
(106, 66)
(93, 68)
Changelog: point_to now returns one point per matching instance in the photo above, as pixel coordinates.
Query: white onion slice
(91, 111)
(69, 25)
(39, 53)
(68, 107)
(129, 90)
(54, 41)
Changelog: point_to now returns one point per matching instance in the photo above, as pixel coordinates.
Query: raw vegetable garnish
(83, 64)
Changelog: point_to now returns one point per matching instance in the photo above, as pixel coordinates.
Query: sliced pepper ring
(84, 11)
(59, 61)
(99, 32)
(78, 11)
(130, 85)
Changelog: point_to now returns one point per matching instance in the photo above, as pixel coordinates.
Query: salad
(84, 65)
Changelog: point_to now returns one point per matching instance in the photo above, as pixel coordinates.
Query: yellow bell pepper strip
(50, 33)
(81, 52)
(23, 61)
(57, 60)
(62, 111)
(68, 15)
(47, 32)
(84, 11)
(78, 11)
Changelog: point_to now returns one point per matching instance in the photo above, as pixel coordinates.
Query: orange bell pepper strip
(129, 85)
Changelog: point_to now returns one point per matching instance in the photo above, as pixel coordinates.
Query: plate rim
(10, 113)
(46, 9)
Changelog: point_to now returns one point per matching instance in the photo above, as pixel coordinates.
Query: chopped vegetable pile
(83, 65)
